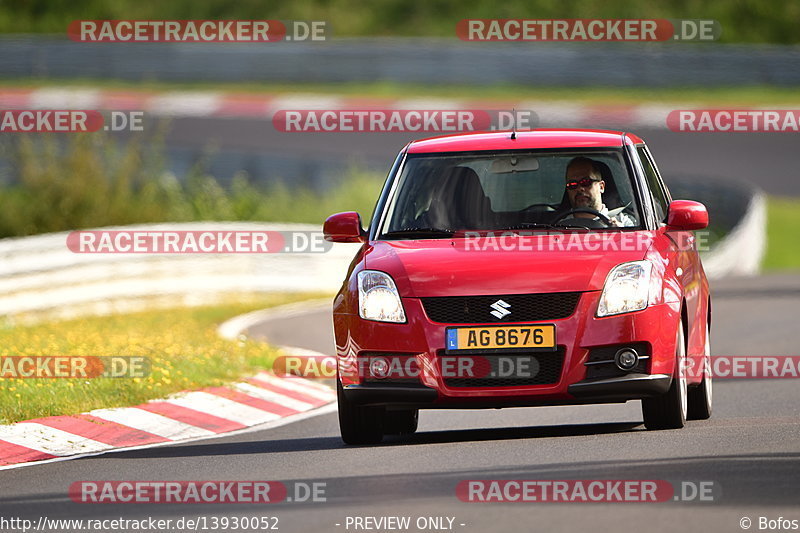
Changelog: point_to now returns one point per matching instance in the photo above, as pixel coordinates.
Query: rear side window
(660, 201)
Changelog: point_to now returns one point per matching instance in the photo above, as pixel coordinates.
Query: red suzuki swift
(508, 269)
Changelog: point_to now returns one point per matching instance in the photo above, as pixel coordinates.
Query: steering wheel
(604, 219)
(534, 206)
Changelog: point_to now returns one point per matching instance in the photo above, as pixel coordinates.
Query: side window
(660, 201)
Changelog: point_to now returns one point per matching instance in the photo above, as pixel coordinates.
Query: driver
(585, 186)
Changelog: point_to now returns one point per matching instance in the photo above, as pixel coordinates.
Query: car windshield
(440, 195)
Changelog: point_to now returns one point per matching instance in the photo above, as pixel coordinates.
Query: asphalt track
(750, 450)
(767, 160)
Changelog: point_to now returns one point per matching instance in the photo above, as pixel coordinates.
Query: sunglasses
(583, 182)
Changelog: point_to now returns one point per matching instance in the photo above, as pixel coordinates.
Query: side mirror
(686, 215)
(344, 227)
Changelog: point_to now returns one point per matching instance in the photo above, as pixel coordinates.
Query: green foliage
(753, 21)
(90, 180)
(783, 219)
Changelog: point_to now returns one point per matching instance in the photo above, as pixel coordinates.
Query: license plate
(493, 339)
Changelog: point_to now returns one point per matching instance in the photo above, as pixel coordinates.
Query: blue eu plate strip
(452, 339)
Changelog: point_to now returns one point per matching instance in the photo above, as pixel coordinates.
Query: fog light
(626, 359)
(379, 367)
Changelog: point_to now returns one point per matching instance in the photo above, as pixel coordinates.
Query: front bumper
(577, 335)
(623, 387)
(611, 390)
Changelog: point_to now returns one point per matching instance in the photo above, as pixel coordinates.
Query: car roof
(539, 138)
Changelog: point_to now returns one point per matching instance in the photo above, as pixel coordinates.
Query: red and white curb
(260, 402)
(264, 106)
(263, 400)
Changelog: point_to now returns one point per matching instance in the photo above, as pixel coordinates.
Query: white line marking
(185, 103)
(431, 104)
(64, 99)
(306, 101)
(301, 352)
(233, 328)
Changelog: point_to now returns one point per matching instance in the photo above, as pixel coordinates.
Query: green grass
(783, 244)
(748, 95)
(183, 348)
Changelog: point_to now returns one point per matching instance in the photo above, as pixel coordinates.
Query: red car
(506, 269)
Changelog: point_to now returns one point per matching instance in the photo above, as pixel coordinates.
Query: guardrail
(40, 274)
(408, 60)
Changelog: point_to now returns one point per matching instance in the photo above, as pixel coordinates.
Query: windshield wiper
(529, 225)
(575, 226)
(540, 225)
(411, 233)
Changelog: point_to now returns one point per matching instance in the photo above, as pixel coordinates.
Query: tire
(357, 424)
(669, 410)
(701, 397)
(401, 422)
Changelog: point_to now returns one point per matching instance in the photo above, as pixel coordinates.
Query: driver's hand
(614, 222)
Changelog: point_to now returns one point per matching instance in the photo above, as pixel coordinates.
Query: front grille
(521, 307)
(547, 367)
(610, 369)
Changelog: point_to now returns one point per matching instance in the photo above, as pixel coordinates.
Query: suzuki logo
(500, 309)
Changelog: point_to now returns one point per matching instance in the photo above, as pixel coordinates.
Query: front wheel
(358, 424)
(669, 410)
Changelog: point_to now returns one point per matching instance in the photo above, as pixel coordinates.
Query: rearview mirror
(344, 227)
(505, 165)
(686, 215)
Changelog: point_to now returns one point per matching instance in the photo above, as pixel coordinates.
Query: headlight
(378, 298)
(627, 289)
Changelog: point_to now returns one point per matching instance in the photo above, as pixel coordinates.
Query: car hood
(513, 264)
